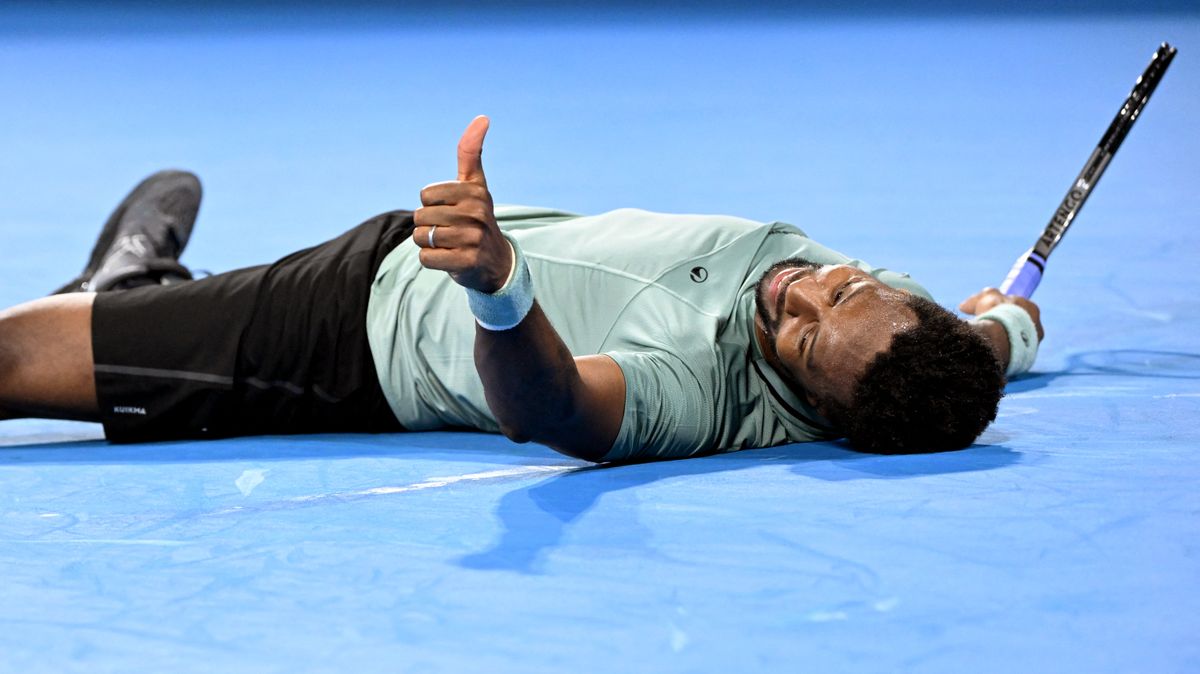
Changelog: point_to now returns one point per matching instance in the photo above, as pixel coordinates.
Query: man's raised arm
(534, 386)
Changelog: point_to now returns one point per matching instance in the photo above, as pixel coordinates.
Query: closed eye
(841, 291)
(804, 339)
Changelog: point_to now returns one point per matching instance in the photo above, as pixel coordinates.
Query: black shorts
(275, 349)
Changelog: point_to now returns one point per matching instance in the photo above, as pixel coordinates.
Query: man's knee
(11, 356)
(8, 352)
(46, 355)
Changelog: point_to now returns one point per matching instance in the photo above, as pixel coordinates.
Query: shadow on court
(535, 519)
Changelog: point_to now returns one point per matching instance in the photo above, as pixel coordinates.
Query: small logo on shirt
(699, 274)
(125, 409)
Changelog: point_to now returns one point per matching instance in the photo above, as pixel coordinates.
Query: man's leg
(46, 366)
(278, 348)
(46, 361)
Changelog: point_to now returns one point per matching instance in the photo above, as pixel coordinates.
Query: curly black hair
(935, 389)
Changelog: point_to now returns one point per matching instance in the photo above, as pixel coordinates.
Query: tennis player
(628, 335)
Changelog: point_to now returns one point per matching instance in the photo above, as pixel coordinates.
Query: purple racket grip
(1025, 275)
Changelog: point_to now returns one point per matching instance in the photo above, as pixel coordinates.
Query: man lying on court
(626, 335)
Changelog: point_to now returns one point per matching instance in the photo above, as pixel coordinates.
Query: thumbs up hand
(456, 225)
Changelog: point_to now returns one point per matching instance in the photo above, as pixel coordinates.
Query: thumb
(470, 151)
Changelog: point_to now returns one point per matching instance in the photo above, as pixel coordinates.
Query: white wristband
(1022, 335)
(508, 306)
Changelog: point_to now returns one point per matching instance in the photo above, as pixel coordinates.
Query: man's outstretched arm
(534, 386)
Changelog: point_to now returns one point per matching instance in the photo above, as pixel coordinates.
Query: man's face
(820, 326)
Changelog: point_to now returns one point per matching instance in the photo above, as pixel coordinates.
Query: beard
(764, 283)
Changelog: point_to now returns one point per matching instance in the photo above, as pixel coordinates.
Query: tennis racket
(1025, 275)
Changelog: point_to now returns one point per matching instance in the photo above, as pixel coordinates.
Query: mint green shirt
(670, 298)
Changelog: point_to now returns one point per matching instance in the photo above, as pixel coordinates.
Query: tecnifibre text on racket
(1025, 275)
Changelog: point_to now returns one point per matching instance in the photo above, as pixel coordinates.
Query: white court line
(428, 483)
(97, 541)
(436, 482)
(1082, 392)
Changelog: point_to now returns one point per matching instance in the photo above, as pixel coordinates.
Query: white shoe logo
(138, 244)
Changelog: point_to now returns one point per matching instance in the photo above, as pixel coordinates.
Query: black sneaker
(142, 240)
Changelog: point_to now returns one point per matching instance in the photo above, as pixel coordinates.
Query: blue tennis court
(933, 141)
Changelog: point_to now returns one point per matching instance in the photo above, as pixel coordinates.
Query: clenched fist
(989, 297)
(456, 224)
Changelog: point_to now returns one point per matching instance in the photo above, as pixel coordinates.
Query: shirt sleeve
(669, 414)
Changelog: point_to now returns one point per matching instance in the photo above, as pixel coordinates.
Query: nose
(803, 299)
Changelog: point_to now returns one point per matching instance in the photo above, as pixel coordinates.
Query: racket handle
(1025, 275)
